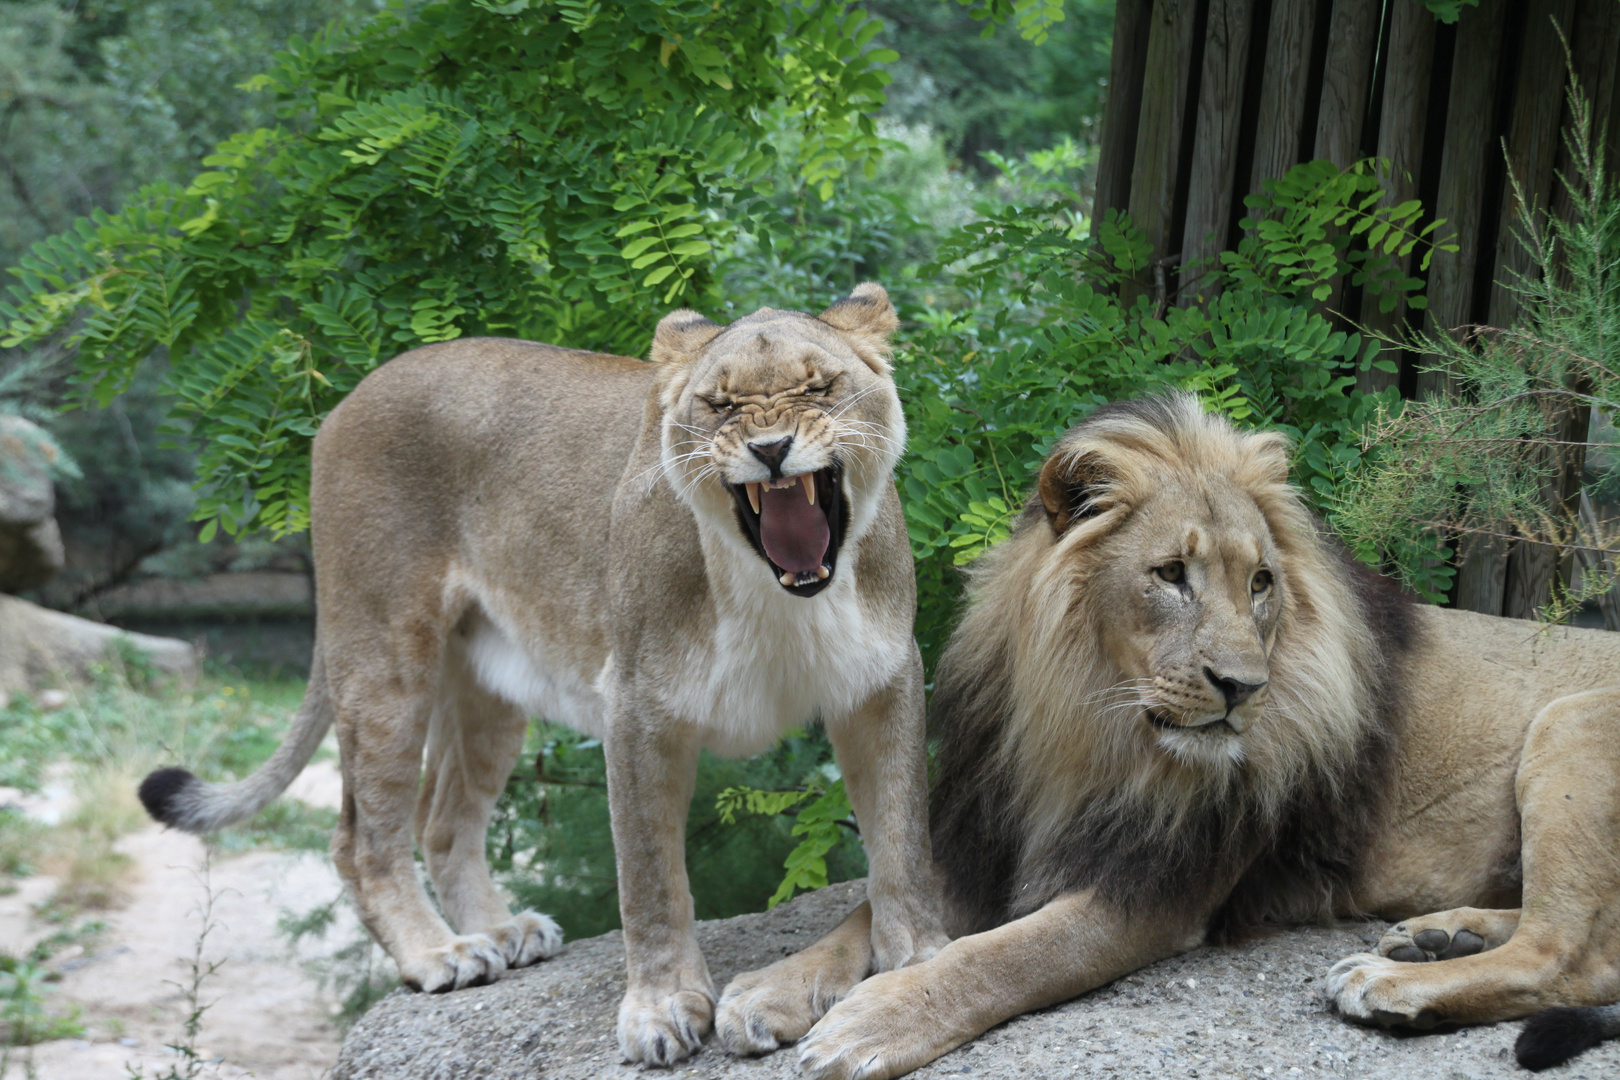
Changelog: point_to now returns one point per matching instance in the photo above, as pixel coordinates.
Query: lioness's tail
(1553, 1036)
(178, 799)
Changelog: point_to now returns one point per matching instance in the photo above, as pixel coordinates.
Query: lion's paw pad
(662, 1029)
(527, 938)
(468, 960)
(1407, 946)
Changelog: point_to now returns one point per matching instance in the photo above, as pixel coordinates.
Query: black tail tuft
(159, 789)
(1553, 1036)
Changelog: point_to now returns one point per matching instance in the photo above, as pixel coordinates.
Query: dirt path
(268, 1018)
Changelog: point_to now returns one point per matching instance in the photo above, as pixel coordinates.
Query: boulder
(39, 647)
(30, 545)
(1253, 1010)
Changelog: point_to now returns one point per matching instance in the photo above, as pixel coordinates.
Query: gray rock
(1251, 1010)
(41, 647)
(30, 544)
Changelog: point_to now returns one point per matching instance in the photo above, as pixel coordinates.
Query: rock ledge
(1251, 1010)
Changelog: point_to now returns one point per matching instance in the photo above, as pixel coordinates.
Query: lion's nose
(1235, 692)
(772, 453)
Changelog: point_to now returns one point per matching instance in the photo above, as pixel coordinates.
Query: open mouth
(796, 523)
(1159, 720)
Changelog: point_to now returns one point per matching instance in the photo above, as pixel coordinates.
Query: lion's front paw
(468, 960)
(526, 938)
(1447, 935)
(660, 1028)
(762, 1010)
(1376, 990)
(882, 1029)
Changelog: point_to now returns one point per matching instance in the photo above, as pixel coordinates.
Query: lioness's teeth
(809, 487)
(753, 496)
(787, 579)
(823, 573)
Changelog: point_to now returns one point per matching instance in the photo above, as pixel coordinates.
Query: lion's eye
(1261, 582)
(717, 404)
(1174, 572)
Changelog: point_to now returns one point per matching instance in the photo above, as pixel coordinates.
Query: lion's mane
(1047, 784)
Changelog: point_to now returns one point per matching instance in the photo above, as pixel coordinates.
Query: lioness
(701, 551)
(1175, 707)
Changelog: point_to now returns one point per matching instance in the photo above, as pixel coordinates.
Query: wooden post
(1159, 130)
(1282, 91)
(1404, 112)
(1127, 65)
(1214, 160)
(1532, 145)
(1346, 79)
(1462, 177)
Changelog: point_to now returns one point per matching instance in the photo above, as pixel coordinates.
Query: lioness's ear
(1070, 486)
(866, 319)
(681, 335)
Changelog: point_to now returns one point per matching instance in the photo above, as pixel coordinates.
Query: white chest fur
(775, 660)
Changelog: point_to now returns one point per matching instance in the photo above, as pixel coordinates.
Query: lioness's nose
(772, 453)
(1235, 693)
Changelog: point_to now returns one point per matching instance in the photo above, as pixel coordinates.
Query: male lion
(697, 552)
(1175, 707)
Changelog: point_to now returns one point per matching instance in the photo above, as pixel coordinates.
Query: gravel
(1250, 1010)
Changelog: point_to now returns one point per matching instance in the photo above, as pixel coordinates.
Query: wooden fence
(1208, 98)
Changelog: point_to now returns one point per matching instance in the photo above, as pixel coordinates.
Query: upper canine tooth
(753, 496)
(809, 487)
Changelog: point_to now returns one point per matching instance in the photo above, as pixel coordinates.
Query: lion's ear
(866, 318)
(681, 335)
(1070, 487)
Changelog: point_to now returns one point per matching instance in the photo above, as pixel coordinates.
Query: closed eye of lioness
(698, 552)
(1173, 707)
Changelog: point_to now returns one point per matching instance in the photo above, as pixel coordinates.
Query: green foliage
(357, 973)
(820, 825)
(1448, 11)
(24, 1020)
(1319, 222)
(549, 170)
(1486, 457)
(1042, 337)
(551, 844)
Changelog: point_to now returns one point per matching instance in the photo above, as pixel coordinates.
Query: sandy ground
(268, 1018)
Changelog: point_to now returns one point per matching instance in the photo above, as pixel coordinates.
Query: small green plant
(1503, 454)
(190, 1063)
(357, 972)
(24, 1018)
(820, 822)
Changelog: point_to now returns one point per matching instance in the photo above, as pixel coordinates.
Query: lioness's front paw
(764, 1009)
(468, 960)
(526, 938)
(881, 1029)
(1375, 989)
(661, 1029)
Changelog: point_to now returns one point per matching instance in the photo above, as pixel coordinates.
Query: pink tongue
(793, 532)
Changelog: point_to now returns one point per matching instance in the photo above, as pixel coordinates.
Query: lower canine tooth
(823, 573)
(787, 579)
(753, 496)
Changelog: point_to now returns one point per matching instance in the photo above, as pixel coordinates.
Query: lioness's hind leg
(761, 1010)
(381, 731)
(1566, 947)
(1446, 935)
(473, 742)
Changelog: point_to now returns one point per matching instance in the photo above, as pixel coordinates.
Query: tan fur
(1496, 812)
(503, 529)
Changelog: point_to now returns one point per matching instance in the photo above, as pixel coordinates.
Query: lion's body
(1173, 707)
(504, 529)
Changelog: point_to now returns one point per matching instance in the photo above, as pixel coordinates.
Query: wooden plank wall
(1208, 98)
